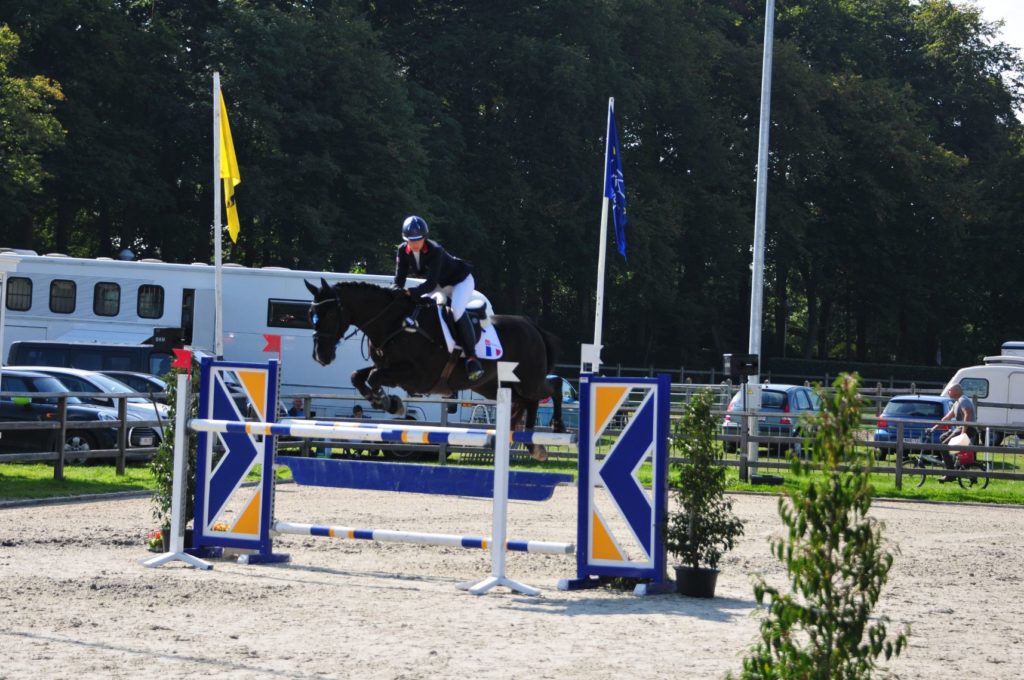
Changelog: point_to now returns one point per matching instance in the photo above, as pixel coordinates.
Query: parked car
(141, 382)
(782, 407)
(77, 380)
(921, 410)
(29, 408)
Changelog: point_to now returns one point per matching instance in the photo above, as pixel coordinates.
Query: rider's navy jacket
(437, 266)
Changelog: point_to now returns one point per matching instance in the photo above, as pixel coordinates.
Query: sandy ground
(76, 603)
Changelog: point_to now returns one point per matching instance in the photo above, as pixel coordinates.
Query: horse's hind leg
(555, 385)
(537, 451)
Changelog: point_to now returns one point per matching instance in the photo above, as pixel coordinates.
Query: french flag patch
(491, 351)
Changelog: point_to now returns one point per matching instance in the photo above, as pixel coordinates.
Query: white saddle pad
(487, 347)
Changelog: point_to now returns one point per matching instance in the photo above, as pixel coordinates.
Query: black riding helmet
(414, 228)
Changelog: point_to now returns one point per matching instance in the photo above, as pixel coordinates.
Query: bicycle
(963, 461)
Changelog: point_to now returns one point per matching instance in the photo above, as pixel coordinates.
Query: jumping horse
(420, 362)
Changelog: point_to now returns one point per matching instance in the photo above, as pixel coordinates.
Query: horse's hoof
(538, 453)
(396, 407)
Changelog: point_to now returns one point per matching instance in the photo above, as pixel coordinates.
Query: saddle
(476, 311)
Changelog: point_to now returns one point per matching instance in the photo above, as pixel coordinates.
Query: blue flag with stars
(614, 184)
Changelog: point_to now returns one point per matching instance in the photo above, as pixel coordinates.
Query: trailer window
(288, 314)
(976, 388)
(151, 301)
(19, 294)
(106, 299)
(62, 296)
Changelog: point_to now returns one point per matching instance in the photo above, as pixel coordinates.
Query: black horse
(420, 362)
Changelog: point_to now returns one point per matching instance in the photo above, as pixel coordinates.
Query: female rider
(422, 257)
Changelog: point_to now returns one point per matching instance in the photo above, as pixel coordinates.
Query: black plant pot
(696, 581)
(165, 535)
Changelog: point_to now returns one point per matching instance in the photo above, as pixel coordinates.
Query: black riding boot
(467, 338)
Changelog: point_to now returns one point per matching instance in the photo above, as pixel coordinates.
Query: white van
(997, 388)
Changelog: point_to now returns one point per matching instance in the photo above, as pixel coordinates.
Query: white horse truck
(105, 301)
(997, 387)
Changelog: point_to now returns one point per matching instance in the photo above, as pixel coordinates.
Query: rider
(425, 258)
(961, 410)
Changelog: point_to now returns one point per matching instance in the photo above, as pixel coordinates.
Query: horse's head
(330, 320)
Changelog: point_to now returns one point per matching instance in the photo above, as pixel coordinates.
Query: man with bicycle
(963, 411)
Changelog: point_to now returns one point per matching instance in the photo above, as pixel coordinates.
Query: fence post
(899, 456)
(122, 432)
(878, 399)
(62, 435)
(307, 403)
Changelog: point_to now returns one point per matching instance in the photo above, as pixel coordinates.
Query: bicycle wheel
(918, 465)
(979, 482)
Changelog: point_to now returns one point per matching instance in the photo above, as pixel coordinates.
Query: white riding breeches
(459, 294)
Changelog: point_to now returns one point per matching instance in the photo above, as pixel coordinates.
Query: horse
(420, 362)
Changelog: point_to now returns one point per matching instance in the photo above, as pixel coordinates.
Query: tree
(836, 559)
(29, 130)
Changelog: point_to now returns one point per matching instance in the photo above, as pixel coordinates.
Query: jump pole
(177, 542)
(499, 528)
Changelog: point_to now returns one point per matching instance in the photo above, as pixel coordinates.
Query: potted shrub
(162, 463)
(701, 527)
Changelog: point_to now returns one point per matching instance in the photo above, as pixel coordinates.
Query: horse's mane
(361, 284)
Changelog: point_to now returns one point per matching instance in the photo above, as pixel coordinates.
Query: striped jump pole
(414, 434)
(518, 437)
(448, 540)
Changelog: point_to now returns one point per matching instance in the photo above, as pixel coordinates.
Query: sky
(1012, 11)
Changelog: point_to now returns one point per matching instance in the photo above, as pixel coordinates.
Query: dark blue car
(919, 413)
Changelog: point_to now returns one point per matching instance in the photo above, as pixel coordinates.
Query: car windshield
(108, 384)
(914, 409)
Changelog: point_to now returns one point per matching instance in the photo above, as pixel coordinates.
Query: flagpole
(602, 253)
(218, 283)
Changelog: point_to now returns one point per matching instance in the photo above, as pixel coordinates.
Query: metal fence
(60, 453)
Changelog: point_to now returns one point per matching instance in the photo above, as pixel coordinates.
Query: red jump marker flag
(273, 343)
(182, 359)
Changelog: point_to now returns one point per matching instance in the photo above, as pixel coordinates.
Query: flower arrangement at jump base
(155, 541)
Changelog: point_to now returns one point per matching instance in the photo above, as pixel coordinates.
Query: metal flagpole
(218, 283)
(757, 279)
(591, 354)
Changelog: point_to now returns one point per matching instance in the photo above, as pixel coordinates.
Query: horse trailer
(102, 301)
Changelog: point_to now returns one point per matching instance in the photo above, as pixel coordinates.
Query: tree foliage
(703, 526)
(895, 156)
(836, 559)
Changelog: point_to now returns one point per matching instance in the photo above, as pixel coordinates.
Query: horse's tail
(552, 345)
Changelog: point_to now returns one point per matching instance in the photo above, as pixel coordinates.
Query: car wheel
(76, 444)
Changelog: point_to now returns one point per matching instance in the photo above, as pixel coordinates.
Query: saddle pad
(487, 347)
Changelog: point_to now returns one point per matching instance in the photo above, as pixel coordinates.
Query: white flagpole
(592, 354)
(218, 283)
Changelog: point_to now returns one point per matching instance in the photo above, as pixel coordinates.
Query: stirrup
(474, 370)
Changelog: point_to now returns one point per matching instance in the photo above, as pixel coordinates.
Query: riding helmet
(414, 228)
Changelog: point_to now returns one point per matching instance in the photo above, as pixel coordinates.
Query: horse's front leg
(372, 393)
(392, 377)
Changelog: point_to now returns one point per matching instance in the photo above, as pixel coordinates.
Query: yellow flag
(229, 171)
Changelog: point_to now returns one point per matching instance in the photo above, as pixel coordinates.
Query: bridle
(314, 319)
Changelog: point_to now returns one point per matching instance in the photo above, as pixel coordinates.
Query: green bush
(836, 560)
(703, 526)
